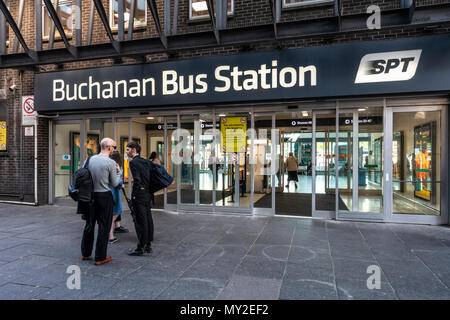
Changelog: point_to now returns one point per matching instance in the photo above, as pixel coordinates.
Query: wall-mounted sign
(233, 132)
(340, 70)
(66, 157)
(28, 111)
(2, 135)
(29, 131)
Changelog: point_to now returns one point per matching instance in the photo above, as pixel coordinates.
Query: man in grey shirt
(104, 171)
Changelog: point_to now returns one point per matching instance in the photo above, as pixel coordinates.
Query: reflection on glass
(199, 9)
(345, 160)
(64, 12)
(370, 160)
(171, 166)
(262, 197)
(416, 163)
(139, 14)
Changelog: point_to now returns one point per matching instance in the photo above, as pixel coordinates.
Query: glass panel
(188, 171)
(262, 197)
(293, 3)
(345, 161)
(67, 156)
(199, 8)
(139, 14)
(233, 155)
(206, 157)
(171, 165)
(370, 159)
(416, 163)
(65, 16)
(294, 182)
(325, 162)
(154, 127)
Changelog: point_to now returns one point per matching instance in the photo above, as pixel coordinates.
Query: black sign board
(342, 70)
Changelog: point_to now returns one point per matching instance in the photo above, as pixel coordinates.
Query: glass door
(360, 163)
(323, 164)
(417, 140)
(68, 155)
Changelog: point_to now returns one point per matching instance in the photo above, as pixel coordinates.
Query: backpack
(83, 185)
(159, 178)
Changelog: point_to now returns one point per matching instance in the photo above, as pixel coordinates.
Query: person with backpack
(104, 172)
(141, 196)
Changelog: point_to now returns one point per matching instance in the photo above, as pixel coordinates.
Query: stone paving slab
(205, 256)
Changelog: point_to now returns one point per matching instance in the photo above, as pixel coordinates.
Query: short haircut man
(141, 172)
(104, 172)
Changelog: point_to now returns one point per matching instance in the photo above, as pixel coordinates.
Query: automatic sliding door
(360, 163)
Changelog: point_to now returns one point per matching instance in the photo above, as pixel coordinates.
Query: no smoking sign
(28, 112)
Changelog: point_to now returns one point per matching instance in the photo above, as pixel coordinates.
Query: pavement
(204, 256)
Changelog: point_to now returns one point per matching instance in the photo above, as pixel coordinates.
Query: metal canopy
(169, 40)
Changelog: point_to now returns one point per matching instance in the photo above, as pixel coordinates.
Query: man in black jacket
(141, 170)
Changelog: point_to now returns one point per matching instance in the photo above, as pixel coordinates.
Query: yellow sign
(2, 135)
(233, 134)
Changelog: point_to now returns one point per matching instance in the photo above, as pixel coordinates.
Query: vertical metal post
(19, 24)
(167, 17)
(38, 7)
(121, 19)
(218, 15)
(78, 23)
(175, 17)
(278, 11)
(275, 137)
(236, 179)
(3, 31)
(179, 165)
(129, 170)
(51, 38)
(252, 158)
(131, 20)
(355, 158)
(336, 165)
(224, 14)
(165, 158)
(91, 23)
(197, 133)
(314, 164)
(214, 154)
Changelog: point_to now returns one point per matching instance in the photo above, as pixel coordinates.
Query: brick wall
(17, 167)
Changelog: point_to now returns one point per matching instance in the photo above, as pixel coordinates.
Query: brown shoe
(108, 259)
(85, 258)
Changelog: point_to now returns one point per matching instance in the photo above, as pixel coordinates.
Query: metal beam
(175, 17)
(51, 38)
(78, 23)
(338, 11)
(121, 22)
(213, 20)
(38, 18)
(3, 31)
(21, 9)
(131, 20)
(154, 10)
(12, 23)
(57, 22)
(434, 14)
(91, 23)
(273, 8)
(167, 30)
(224, 10)
(103, 17)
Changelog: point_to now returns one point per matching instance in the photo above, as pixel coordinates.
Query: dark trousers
(101, 213)
(143, 221)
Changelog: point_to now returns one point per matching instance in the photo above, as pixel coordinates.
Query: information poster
(424, 137)
(2, 135)
(233, 134)
(92, 148)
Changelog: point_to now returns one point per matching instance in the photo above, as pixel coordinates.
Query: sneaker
(111, 241)
(121, 230)
(148, 249)
(108, 259)
(136, 252)
(85, 258)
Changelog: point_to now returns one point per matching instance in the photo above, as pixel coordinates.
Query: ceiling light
(362, 109)
(222, 115)
(150, 118)
(199, 6)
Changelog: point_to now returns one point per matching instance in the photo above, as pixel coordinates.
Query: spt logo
(388, 66)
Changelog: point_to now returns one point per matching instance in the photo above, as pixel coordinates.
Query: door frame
(322, 214)
(411, 218)
(353, 213)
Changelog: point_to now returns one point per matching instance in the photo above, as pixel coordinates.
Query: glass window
(416, 163)
(199, 9)
(3, 122)
(140, 14)
(65, 15)
(297, 3)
